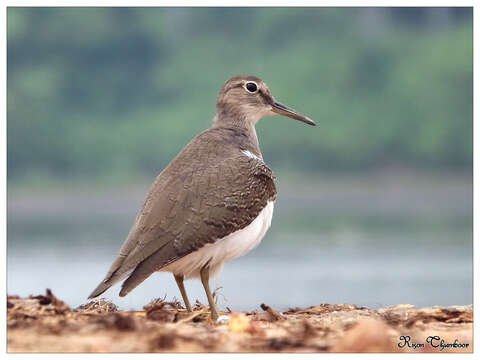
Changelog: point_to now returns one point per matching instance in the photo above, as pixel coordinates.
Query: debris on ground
(44, 323)
(100, 306)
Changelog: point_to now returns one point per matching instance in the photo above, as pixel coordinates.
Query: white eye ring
(253, 91)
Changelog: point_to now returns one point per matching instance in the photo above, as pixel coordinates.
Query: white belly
(230, 247)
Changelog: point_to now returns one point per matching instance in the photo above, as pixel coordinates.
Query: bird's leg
(204, 275)
(179, 280)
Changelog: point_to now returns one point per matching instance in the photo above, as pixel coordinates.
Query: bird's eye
(251, 87)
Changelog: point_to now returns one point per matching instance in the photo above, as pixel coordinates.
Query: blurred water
(371, 243)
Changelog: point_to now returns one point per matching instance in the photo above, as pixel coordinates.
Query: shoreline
(44, 323)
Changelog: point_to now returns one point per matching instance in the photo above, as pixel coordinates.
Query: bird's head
(246, 99)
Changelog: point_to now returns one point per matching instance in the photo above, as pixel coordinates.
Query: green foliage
(95, 91)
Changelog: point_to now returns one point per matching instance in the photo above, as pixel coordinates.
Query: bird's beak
(281, 109)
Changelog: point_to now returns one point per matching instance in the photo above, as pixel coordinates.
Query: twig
(194, 315)
(274, 313)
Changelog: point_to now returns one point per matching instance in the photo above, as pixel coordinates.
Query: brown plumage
(218, 184)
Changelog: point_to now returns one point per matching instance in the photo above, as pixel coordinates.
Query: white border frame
(211, 3)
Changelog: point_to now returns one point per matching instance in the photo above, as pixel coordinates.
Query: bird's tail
(137, 274)
(136, 278)
(154, 262)
(100, 289)
(106, 284)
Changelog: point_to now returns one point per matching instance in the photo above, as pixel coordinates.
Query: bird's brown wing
(188, 208)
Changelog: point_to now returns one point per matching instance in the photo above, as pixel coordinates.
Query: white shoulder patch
(251, 155)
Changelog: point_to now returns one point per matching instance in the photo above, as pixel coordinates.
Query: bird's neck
(242, 131)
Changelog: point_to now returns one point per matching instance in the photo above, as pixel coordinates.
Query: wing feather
(187, 208)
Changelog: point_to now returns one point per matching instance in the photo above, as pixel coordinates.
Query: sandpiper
(212, 203)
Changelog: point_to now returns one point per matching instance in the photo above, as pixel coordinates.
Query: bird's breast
(227, 248)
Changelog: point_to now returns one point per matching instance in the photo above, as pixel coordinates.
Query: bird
(212, 203)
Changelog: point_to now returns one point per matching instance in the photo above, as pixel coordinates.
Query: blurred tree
(119, 91)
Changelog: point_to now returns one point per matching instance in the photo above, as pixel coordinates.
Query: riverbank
(45, 323)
